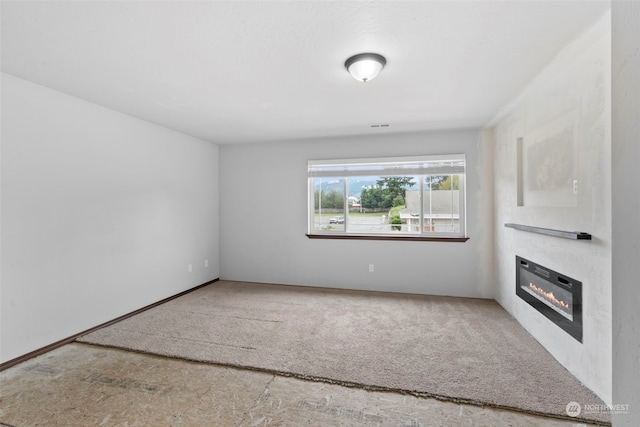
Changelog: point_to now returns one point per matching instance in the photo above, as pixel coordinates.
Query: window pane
(365, 215)
(397, 196)
(441, 204)
(328, 204)
(381, 203)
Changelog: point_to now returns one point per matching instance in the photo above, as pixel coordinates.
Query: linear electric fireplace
(556, 296)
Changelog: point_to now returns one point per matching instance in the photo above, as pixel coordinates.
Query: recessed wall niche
(547, 165)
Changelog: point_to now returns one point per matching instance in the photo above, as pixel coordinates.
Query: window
(406, 197)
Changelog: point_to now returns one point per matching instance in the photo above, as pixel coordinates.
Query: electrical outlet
(370, 268)
(575, 186)
(190, 268)
(206, 263)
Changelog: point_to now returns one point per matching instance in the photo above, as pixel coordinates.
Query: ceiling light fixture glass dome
(365, 66)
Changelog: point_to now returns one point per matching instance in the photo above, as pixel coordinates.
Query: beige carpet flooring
(459, 349)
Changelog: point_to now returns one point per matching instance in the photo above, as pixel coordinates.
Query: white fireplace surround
(576, 85)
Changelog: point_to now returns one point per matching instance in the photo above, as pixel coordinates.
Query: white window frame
(419, 166)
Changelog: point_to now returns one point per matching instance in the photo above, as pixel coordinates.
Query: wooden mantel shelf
(574, 235)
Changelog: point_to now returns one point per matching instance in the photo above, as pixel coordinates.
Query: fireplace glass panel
(558, 299)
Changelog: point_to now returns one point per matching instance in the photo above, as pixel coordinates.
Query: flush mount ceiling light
(365, 66)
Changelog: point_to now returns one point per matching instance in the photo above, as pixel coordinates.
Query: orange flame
(549, 296)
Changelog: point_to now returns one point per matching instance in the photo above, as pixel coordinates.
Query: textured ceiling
(253, 71)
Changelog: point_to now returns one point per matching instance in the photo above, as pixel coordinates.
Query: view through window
(397, 197)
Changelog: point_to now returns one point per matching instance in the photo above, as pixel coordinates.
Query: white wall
(263, 213)
(101, 214)
(626, 208)
(575, 89)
